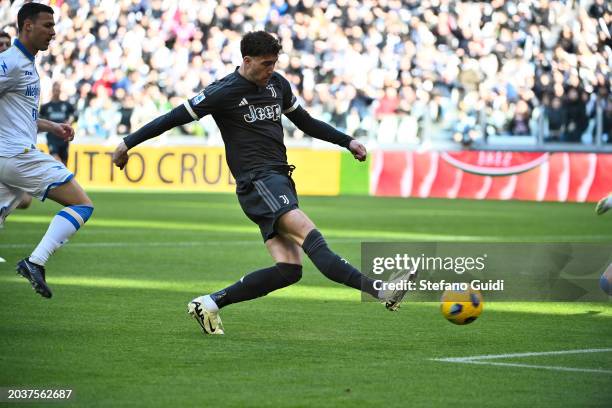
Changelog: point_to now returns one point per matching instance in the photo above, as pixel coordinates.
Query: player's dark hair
(30, 11)
(5, 34)
(259, 43)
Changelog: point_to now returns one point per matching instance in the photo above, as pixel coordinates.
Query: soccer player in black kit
(247, 106)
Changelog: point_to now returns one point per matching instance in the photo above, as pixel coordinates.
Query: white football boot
(393, 298)
(604, 204)
(209, 321)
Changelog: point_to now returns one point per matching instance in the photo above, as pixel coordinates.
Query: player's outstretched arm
(321, 130)
(63, 130)
(176, 117)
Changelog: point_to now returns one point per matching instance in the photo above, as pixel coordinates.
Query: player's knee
(292, 273)
(25, 202)
(86, 201)
(306, 226)
(296, 225)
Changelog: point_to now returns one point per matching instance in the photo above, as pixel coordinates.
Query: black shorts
(59, 148)
(265, 196)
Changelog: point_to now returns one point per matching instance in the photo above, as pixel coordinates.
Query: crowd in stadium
(398, 71)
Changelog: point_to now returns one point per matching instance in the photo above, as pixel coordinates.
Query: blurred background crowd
(407, 72)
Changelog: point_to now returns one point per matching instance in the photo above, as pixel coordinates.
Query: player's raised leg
(286, 271)
(296, 225)
(77, 210)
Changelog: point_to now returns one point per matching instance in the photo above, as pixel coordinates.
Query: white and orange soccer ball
(461, 306)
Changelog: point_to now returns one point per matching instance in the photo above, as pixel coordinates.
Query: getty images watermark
(501, 271)
(401, 263)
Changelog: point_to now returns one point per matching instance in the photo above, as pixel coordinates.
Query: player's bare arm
(63, 130)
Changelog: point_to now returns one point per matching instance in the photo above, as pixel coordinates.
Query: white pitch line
(543, 367)
(532, 354)
(139, 244)
(161, 244)
(482, 360)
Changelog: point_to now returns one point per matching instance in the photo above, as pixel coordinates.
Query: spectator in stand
(443, 50)
(576, 120)
(519, 125)
(555, 114)
(5, 41)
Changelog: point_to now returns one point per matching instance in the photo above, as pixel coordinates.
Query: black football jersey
(249, 118)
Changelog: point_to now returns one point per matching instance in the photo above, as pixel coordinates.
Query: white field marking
(139, 244)
(169, 244)
(336, 234)
(341, 294)
(483, 360)
(162, 244)
(543, 367)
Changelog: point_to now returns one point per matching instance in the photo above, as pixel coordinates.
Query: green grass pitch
(117, 332)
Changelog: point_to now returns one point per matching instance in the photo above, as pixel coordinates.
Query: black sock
(334, 267)
(258, 283)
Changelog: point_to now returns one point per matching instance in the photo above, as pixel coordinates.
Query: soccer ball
(606, 281)
(461, 307)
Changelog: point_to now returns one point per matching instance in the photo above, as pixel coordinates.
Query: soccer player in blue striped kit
(24, 168)
(247, 106)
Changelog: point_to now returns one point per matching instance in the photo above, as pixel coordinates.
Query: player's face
(260, 69)
(42, 30)
(5, 42)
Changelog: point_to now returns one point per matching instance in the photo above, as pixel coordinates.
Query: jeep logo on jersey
(267, 112)
(494, 163)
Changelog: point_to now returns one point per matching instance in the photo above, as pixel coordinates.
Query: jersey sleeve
(7, 75)
(290, 102)
(203, 103)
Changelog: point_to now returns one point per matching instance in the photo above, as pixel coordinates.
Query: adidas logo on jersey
(243, 102)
